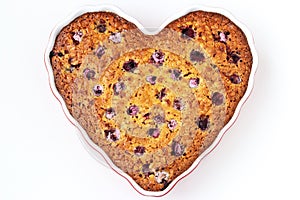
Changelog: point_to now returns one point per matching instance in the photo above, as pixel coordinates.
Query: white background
(41, 156)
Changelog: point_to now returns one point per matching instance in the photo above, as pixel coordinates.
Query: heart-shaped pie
(152, 103)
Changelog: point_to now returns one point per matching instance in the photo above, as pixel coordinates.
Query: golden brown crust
(74, 54)
(209, 26)
(202, 47)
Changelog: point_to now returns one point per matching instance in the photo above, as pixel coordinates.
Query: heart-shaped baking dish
(151, 105)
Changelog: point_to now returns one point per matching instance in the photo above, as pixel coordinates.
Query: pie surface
(152, 103)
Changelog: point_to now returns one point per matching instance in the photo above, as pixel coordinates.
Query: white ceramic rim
(95, 150)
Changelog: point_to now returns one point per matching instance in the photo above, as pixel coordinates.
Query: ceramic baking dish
(98, 152)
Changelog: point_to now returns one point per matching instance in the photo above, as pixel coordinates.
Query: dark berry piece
(178, 104)
(161, 177)
(235, 79)
(188, 32)
(112, 134)
(177, 149)
(157, 58)
(101, 28)
(100, 52)
(118, 87)
(194, 82)
(139, 150)
(232, 56)
(235, 58)
(89, 73)
(176, 74)
(217, 98)
(77, 37)
(130, 65)
(151, 79)
(172, 124)
(223, 37)
(158, 119)
(203, 122)
(160, 95)
(147, 116)
(110, 113)
(146, 169)
(98, 90)
(154, 132)
(196, 56)
(115, 37)
(132, 110)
